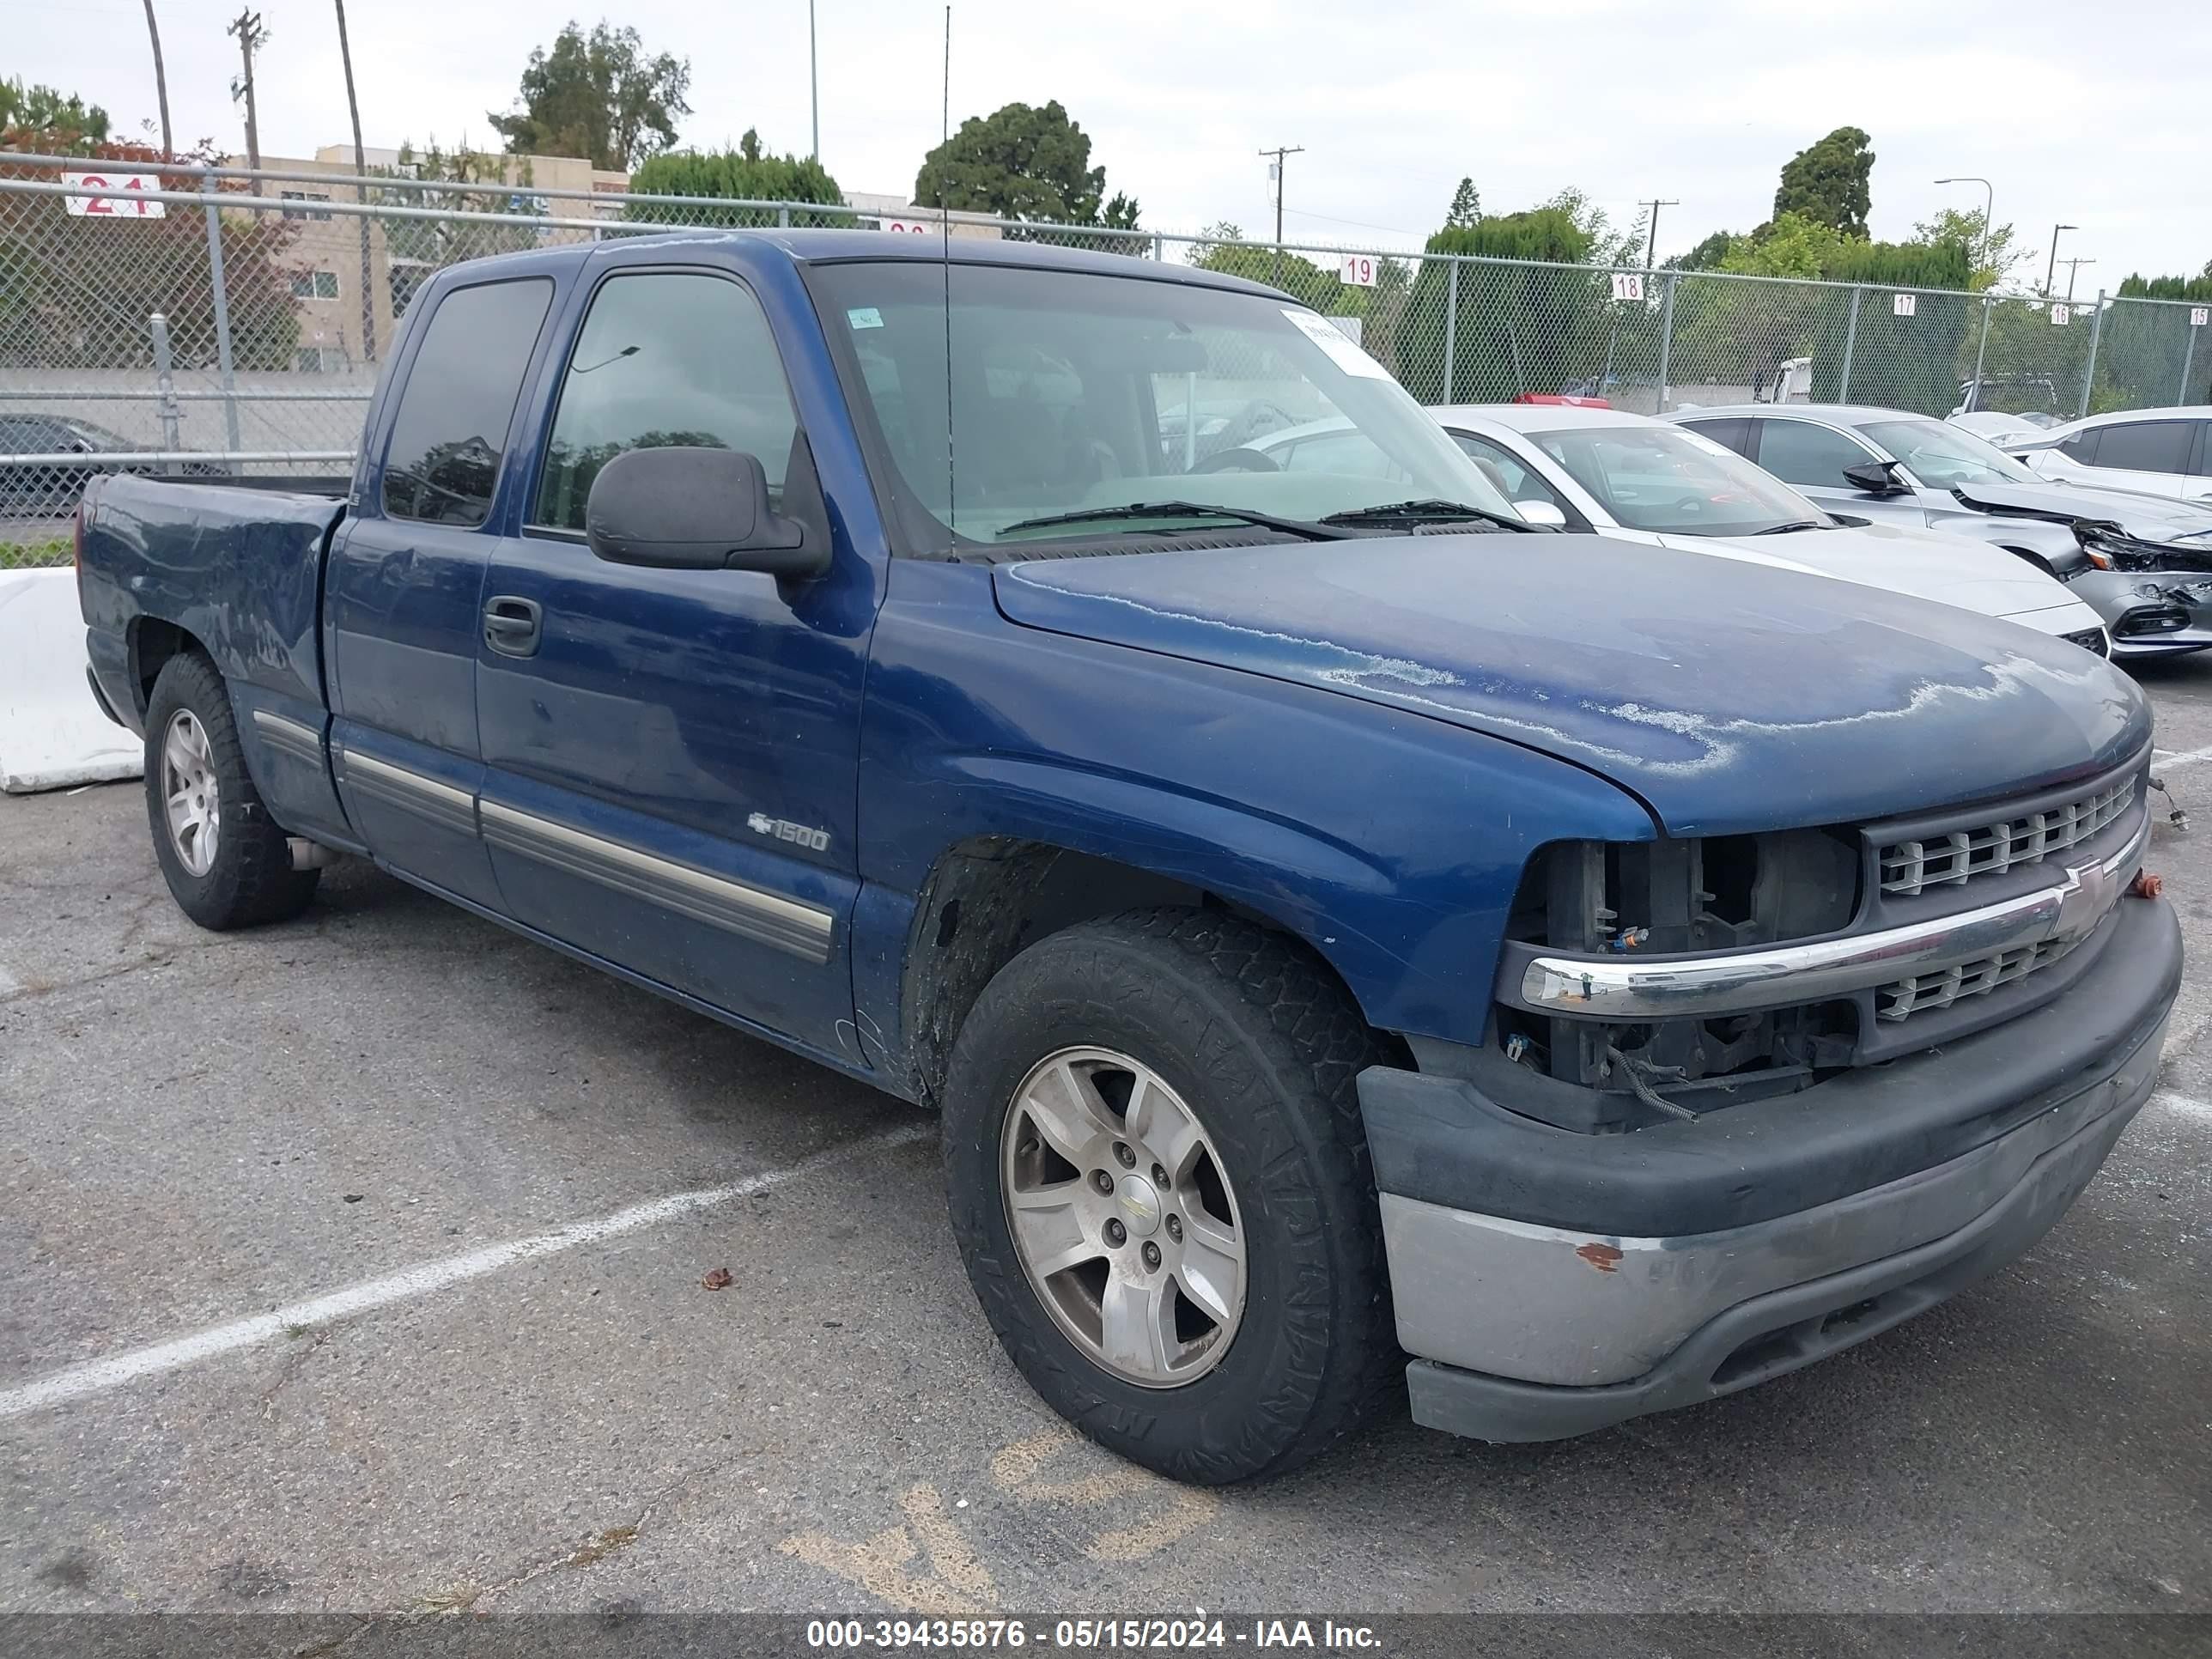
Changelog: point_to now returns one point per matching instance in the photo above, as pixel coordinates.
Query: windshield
(1663, 478)
(1073, 391)
(1942, 455)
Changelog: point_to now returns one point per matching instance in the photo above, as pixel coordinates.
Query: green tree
(599, 95)
(1827, 182)
(1222, 247)
(1706, 256)
(1512, 328)
(1022, 162)
(76, 290)
(64, 123)
(1466, 207)
(746, 173)
(1995, 253)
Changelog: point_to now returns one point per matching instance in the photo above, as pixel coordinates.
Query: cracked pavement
(201, 1128)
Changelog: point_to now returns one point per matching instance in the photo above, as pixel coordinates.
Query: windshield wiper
(1794, 524)
(1427, 510)
(1312, 531)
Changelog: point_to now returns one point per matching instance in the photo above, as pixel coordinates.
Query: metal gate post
(2089, 376)
(1667, 339)
(1850, 345)
(1451, 329)
(164, 384)
(221, 321)
(1981, 352)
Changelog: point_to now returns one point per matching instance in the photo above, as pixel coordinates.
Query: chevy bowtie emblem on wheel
(784, 830)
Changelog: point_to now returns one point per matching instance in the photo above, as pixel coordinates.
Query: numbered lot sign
(2061, 315)
(1357, 269)
(1904, 305)
(1628, 285)
(2199, 315)
(115, 207)
(915, 226)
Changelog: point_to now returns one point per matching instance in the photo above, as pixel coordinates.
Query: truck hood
(1730, 697)
(2145, 517)
(1974, 575)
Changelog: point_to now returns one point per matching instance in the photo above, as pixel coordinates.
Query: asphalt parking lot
(383, 1234)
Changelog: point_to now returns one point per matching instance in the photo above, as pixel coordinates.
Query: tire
(1256, 1042)
(246, 876)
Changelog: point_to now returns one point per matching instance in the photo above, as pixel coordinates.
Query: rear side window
(2147, 445)
(1731, 432)
(450, 429)
(1799, 453)
(664, 359)
(2082, 445)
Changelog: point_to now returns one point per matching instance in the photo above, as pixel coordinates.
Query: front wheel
(1160, 1182)
(228, 864)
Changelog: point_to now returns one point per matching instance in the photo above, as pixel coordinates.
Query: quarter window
(2146, 445)
(1799, 453)
(450, 428)
(665, 359)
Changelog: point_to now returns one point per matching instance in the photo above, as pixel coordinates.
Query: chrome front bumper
(1549, 1323)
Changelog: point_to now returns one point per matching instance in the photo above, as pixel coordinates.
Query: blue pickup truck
(1359, 944)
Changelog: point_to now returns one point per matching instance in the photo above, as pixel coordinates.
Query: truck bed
(239, 569)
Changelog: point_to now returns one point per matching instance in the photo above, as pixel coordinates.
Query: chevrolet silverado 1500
(1354, 939)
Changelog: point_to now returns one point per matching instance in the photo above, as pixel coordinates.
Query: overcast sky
(2092, 115)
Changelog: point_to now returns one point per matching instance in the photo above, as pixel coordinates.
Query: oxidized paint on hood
(1730, 697)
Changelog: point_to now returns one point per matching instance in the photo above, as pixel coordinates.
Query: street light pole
(813, 80)
(2050, 271)
(1989, 212)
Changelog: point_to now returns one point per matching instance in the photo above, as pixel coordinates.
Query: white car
(1639, 479)
(2158, 452)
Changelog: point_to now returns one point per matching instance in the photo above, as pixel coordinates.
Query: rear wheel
(1160, 1182)
(228, 864)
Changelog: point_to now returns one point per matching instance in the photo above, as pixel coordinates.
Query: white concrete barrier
(52, 734)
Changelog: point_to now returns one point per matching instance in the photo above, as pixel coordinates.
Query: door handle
(513, 626)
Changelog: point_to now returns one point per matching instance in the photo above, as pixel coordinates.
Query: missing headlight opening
(1669, 896)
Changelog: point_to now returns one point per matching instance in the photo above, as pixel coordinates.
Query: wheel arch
(989, 897)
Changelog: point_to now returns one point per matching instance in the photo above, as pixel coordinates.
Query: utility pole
(251, 38)
(361, 195)
(1279, 153)
(2051, 269)
(813, 80)
(160, 82)
(1651, 248)
(2073, 265)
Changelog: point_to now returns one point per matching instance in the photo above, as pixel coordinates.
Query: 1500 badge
(784, 830)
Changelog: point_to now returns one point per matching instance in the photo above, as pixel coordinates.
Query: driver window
(1799, 453)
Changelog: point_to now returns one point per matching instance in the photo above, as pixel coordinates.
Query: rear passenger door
(2153, 457)
(402, 586)
(672, 756)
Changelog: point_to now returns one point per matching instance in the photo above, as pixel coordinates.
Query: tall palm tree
(160, 82)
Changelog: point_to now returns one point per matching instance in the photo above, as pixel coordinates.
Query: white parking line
(2166, 763)
(95, 1376)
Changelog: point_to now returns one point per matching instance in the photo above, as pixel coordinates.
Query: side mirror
(1874, 477)
(683, 509)
(1546, 513)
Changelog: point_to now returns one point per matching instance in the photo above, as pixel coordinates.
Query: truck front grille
(1912, 866)
(1903, 998)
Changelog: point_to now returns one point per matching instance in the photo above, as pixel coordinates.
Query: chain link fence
(215, 321)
